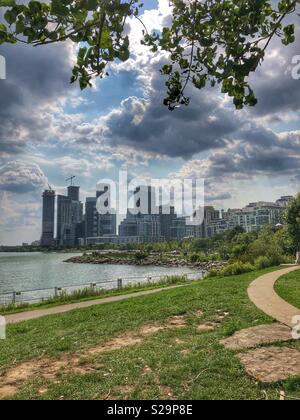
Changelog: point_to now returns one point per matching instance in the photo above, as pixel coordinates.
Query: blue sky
(50, 130)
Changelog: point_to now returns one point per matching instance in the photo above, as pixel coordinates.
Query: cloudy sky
(50, 130)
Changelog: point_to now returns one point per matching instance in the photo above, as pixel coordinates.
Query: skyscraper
(91, 217)
(69, 214)
(107, 222)
(73, 192)
(47, 238)
(97, 224)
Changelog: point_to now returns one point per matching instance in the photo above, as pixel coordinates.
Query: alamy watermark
(296, 68)
(152, 197)
(296, 329)
(2, 68)
(2, 328)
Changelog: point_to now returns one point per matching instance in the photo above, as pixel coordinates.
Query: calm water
(28, 272)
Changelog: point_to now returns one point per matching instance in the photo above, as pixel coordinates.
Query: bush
(237, 268)
(140, 256)
(213, 273)
(263, 262)
(194, 258)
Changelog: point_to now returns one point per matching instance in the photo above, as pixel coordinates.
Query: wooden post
(120, 284)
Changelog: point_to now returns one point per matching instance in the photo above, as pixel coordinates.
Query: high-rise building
(97, 224)
(91, 217)
(144, 200)
(47, 238)
(73, 193)
(69, 214)
(167, 217)
(256, 215)
(107, 222)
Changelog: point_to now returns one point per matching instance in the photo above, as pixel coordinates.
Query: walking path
(39, 313)
(261, 292)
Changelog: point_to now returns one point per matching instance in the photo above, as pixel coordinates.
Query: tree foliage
(293, 222)
(209, 41)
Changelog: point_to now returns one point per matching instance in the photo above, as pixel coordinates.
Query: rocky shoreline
(158, 262)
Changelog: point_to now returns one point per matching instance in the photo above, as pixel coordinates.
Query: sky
(50, 130)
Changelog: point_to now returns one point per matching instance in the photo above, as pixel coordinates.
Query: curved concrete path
(261, 292)
(39, 313)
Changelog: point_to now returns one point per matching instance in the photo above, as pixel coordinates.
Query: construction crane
(71, 179)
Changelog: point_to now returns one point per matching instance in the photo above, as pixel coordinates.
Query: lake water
(37, 275)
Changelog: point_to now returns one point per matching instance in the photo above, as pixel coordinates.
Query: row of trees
(207, 42)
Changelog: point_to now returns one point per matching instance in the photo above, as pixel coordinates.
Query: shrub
(262, 262)
(140, 256)
(194, 258)
(236, 269)
(213, 273)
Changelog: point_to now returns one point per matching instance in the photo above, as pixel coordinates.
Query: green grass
(288, 287)
(206, 371)
(88, 294)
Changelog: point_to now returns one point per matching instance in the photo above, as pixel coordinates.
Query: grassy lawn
(183, 363)
(92, 294)
(288, 287)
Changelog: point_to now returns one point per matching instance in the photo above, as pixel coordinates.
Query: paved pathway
(261, 292)
(39, 313)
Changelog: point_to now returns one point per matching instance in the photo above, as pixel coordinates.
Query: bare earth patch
(199, 312)
(272, 364)
(48, 368)
(255, 336)
(165, 392)
(207, 327)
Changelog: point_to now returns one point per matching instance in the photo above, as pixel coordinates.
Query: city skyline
(68, 222)
(50, 129)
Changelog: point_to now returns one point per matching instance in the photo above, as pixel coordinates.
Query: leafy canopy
(209, 41)
(293, 222)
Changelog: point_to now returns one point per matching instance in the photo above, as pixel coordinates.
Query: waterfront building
(149, 227)
(97, 224)
(47, 238)
(167, 217)
(69, 214)
(73, 193)
(256, 215)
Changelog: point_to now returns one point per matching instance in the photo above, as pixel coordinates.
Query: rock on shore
(150, 261)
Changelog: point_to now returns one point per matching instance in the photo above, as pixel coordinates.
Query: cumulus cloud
(37, 80)
(41, 115)
(21, 177)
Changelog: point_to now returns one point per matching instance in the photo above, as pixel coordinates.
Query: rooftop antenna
(50, 188)
(71, 179)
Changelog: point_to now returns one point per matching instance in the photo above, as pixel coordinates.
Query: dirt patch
(49, 368)
(8, 391)
(176, 322)
(255, 336)
(151, 329)
(124, 340)
(165, 392)
(123, 391)
(146, 370)
(272, 364)
(198, 312)
(43, 391)
(207, 327)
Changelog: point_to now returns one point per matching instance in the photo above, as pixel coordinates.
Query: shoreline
(172, 263)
